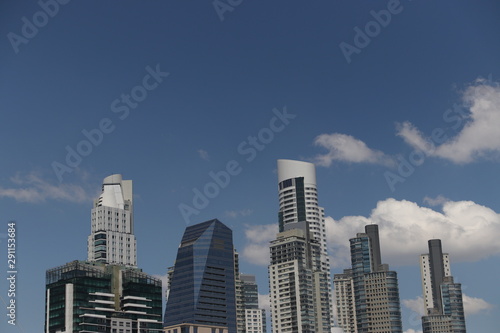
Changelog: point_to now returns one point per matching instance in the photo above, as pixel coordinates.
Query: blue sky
(429, 67)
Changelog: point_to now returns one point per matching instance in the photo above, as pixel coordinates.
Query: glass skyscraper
(202, 286)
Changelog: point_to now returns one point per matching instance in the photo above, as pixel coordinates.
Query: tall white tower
(298, 204)
(298, 198)
(112, 237)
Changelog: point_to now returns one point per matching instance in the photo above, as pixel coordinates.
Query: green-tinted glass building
(94, 297)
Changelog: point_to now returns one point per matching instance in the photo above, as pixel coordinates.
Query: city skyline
(399, 114)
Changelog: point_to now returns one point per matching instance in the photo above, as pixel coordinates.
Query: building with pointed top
(202, 287)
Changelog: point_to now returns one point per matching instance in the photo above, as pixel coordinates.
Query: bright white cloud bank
(346, 148)
(468, 231)
(479, 138)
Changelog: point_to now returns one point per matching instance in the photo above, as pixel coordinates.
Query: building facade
(298, 202)
(302, 302)
(107, 293)
(367, 295)
(443, 298)
(298, 292)
(112, 238)
(254, 317)
(202, 286)
(344, 301)
(95, 297)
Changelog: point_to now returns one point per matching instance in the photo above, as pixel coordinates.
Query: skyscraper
(344, 301)
(298, 202)
(254, 317)
(442, 296)
(370, 290)
(298, 291)
(202, 288)
(107, 293)
(112, 237)
(299, 272)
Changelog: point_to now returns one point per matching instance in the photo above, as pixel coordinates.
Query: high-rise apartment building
(299, 272)
(442, 296)
(112, 239)
(107, 293)
(202, 287)
(298, 202)
(254, 318)
(298, 305)
(367, 295)
(344, 301)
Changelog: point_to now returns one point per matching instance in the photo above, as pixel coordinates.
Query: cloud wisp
(346, 148)
(238, 213)
(32, 188)
(472, 305)
(203, 154)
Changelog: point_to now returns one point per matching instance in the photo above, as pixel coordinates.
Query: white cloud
(203, 154)
(472, 305)
(411, 330)
(258, 237)
(416, 305)
(468, 231)
(164, 285)
(31, 188)
(236, 213)
(264, 302)
(438, 201)
(479, 138)
(346, 148)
